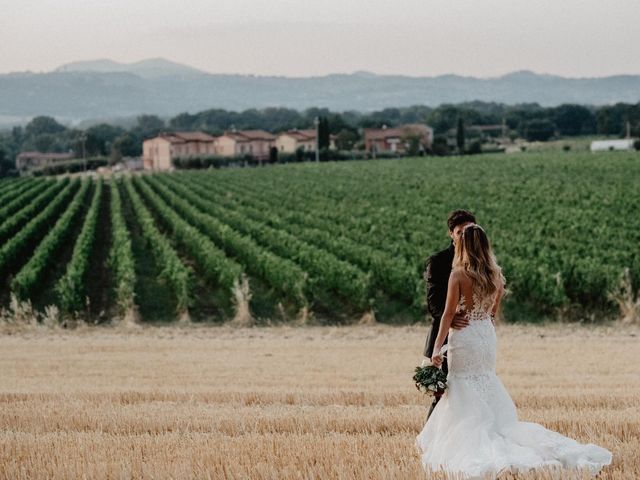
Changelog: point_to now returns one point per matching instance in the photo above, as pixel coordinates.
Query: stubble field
(285, 402)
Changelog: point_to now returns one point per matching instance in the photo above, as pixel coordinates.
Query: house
(606, 145)
(256, 143)
(292, 140)
(158, 153)
(30, 160)
(397, 139)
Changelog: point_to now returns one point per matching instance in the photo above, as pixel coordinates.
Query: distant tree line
(530, 121)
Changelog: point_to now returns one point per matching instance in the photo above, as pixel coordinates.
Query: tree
(413, 143)
(273, 155)
(539, 130)
(460, 136)
(324, 139)
(6, 165)
(346, 139)
(183, 121)
(574, 120)
(44, 134)
(277, 119)
(518, 116)
(149, 126)
(415, 114)
(443, 118)
(100, 138)
(440, 146)
(45, 142)
(475, 147)
(17, 136)
(310, 114)
(611, 119)
(337, 123)
(126, 146)
(387, 116)
(43, 125)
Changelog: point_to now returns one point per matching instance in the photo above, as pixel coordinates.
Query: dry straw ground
(284, 402)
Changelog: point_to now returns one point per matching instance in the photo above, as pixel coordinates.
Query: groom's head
(458, 219)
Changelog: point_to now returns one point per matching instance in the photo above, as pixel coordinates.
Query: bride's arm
(453, 297)
(496, 305)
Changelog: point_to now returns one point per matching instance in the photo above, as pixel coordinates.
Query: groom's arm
(434, 297)
(436, 291)
(436, 276)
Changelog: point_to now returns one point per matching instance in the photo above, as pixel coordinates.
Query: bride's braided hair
(474, 254)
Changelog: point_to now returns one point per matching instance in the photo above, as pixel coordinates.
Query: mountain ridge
(149, 67)
(103, 88)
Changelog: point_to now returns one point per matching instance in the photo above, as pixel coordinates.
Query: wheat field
(283, 402)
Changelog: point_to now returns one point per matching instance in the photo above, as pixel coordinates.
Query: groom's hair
(458, 217)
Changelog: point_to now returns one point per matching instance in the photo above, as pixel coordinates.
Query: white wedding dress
(474, 432)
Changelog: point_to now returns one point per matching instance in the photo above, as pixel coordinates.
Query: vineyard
(330, 241)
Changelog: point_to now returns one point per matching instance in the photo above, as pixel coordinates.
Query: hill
(106, 89)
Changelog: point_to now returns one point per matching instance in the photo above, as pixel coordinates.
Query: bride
(474, 429)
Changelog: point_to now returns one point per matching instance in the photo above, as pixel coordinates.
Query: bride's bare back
(470, 300)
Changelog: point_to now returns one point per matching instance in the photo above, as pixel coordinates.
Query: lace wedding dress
(474, 432)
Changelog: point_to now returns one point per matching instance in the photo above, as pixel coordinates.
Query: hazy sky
(481, 38)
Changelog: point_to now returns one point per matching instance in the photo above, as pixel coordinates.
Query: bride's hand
(437, 360)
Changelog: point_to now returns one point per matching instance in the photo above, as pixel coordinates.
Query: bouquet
(430, 379)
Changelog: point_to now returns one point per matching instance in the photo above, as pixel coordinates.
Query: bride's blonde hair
(474, 255)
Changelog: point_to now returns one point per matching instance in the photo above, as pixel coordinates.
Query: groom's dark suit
(436, 275)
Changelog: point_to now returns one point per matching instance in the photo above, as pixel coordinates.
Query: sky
(479, 38)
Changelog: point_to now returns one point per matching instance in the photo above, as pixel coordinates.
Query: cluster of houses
(159, 153)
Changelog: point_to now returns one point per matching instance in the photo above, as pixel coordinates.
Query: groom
(436, 275)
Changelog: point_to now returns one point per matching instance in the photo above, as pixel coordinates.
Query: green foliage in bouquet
(430, 379)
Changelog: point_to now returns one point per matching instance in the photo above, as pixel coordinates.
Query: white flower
(433, 388)
(426, 363)
(440, 385)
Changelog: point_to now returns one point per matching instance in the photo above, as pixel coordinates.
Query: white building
(607, 145)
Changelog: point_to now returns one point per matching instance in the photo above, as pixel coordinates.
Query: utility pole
(628, 129)
(316, 122)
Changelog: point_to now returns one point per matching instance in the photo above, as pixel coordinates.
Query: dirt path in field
(46, 294)
(98, 281)
(153, 296)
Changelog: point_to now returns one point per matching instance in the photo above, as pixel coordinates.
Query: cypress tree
(460, 136)
(323, 136)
